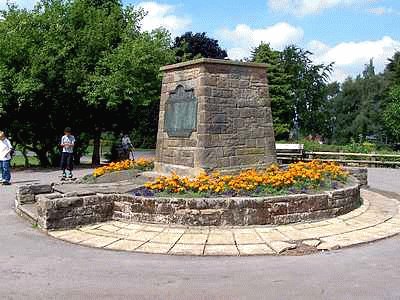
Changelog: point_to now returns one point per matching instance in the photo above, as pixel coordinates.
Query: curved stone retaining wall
(237, 211)
(63, 211)
(361, 174)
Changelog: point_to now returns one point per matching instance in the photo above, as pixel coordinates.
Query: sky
(346, 32)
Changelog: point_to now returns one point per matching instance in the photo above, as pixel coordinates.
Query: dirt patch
(300, 250)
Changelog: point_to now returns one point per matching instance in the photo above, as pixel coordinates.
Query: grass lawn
(19, 161)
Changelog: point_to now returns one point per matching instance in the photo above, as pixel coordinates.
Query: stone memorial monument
(215, 115)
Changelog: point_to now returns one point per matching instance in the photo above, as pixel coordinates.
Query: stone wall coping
(352, 184)
(213, 61)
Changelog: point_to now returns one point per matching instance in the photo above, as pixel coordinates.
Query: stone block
(68, 202)
(25, 198)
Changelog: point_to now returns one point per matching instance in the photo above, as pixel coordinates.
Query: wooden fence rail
(371, 159)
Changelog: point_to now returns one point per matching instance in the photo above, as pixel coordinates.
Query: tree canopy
(89, 65)
(391, 116)
(77, 63)
(195, 45)
(357, 107)
(298, 90)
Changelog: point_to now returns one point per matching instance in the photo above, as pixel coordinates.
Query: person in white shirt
(67, 155)
(5, 158)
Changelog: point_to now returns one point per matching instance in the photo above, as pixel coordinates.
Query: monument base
(167, 169)
(215, 115)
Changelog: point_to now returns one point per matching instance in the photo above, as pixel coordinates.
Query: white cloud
(243, 38)
(162, 15)
(307, 7)
(350, 57)
(382, 10)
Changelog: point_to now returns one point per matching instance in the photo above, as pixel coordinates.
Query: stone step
(29, 212)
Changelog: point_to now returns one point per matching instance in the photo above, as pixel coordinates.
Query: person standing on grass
(67, 155)
(5, 159)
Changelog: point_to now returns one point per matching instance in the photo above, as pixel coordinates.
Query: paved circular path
(376, 219)
(35, 266)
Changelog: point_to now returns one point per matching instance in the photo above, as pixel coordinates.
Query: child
(5, 158)
(67, 156)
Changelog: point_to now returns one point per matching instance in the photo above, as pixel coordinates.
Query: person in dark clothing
(67, 155)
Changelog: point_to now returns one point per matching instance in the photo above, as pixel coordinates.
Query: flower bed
(297, 178)
(139, 164)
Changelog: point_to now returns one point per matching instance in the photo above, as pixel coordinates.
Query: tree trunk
(77, 158)
(26, 158)
(43, 158)
(96, 147)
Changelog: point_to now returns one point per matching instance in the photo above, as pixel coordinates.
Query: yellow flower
(313, 172)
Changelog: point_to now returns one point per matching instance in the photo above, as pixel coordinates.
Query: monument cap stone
(215, 115)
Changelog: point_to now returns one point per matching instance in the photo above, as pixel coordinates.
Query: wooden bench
(289, 152)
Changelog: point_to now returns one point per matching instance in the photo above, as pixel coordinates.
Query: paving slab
(100, 232)
(59, 233)
(273, 235)
(135, 226)
(143, 236)
(155, 228)
(126, 231)
(255, 249)
(230, 250)
(124, 245)
(243, 238)
(119, 224)
(187, 249)
(373, 221)
(279, 246)
(99, 241)
(76, 236)
(292, 233)
(312, 243)
(221, 238)
(197, 230)
(193, 238)
(174, 230)
(167, 238)
(155, 248)
(319, 232)
(109, 228)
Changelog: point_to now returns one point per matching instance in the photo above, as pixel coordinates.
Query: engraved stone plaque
(181, 113)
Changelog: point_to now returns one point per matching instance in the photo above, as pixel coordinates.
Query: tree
(298, 90)
(391, 115)
(279, 89)
(357, 107)
(29, 110)
(392, 70)
(128, 80)
(309, 86)
(195, 45)
(53, 55)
